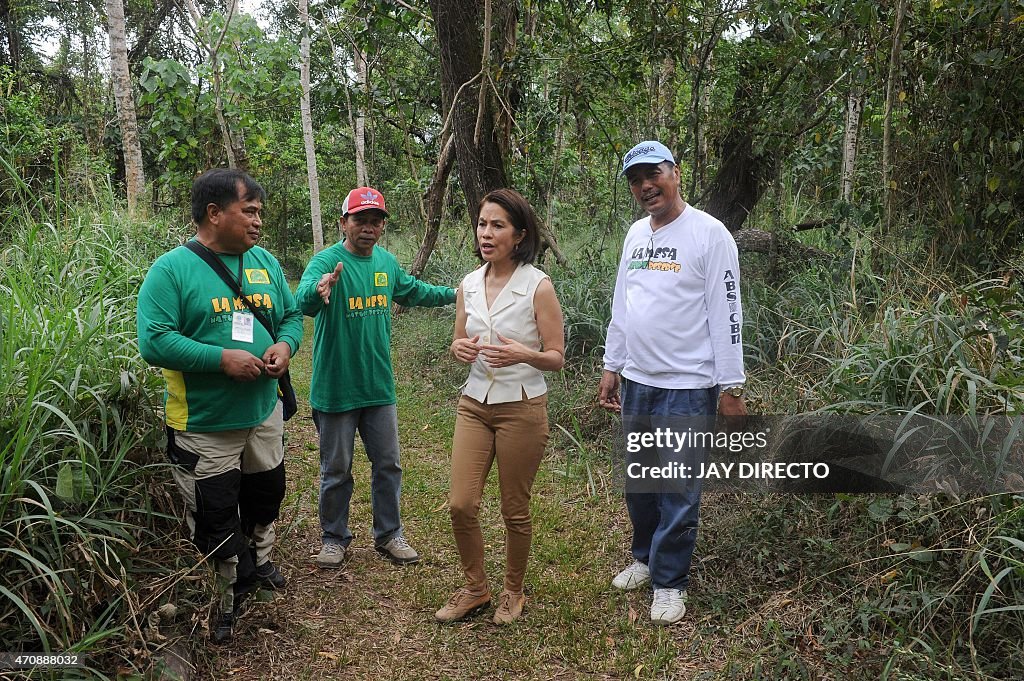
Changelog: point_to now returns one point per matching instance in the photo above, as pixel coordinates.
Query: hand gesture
(466, 349)
(608, 392)
(327, 282)
(241, 365)
(276, 359)
(508, 353)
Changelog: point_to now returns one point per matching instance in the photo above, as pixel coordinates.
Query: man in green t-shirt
(224, 421)
(348, 288)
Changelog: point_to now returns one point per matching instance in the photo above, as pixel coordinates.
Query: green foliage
(29, 142)
(586, 299)
(77, 418)
(900, 587)
(176, 128)
(970, 115)
(951, 353)
(256, 74)
(870, 343)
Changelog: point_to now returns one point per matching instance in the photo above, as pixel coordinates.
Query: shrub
(78, 512)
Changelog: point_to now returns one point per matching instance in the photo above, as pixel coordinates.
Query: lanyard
(241, 260)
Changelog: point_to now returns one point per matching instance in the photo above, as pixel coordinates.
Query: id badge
(241, 327)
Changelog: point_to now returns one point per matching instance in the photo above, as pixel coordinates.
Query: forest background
(866, 155)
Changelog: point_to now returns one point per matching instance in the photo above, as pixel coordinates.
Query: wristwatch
(733, 391)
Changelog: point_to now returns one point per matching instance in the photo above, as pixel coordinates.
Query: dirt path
(371, 620)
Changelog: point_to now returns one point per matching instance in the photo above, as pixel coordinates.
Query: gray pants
(378, 428)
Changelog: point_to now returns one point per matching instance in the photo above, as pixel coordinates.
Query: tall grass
(868, 342)
(939, 576)
(78, 509)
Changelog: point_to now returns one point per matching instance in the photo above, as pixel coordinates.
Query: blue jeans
(378, 428)
(665, 524)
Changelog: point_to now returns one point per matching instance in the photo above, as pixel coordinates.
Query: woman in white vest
(508, 328)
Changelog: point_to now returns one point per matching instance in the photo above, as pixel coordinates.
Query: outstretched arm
(318, 281)
(412, 292)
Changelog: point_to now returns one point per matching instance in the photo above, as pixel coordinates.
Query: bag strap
(217, 266)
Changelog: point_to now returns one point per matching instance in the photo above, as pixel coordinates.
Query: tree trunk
(547, 234)
(283, 225)
(212, 50)
(307, 132)
(563, 103)
(510, 94)
(236, 135)
(433, 199)
(222, 122)
(153, 21)
(744, 175)
(548, 240)
(701, 105)
(890, 100)
(121, 83)
(480, 164)
(359, 130)
(10, 18)
(357, 123)
(667, 102)
(485, 69)
(741, 180)
(700, 101)
(854, 107)
(759, 241)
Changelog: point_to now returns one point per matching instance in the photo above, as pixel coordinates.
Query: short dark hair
(220, 186)
(524, 219)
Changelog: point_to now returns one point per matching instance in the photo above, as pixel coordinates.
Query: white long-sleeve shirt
(676, 314)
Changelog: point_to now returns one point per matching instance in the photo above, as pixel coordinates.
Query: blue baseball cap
(648, 151)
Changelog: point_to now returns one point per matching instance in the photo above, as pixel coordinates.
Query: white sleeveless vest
(513, 316)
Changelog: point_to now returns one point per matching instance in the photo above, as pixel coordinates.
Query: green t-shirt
(185, 313)
(352, 335)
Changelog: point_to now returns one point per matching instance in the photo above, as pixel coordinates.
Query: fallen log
(760, 241)
(814, 224)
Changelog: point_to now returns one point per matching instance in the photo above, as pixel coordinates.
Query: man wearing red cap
(348, 289)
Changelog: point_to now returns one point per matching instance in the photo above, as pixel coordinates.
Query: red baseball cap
(363, 198)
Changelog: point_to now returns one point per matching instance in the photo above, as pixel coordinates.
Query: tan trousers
(250, 450)
(514, 433)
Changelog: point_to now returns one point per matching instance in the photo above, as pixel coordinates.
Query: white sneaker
(668, 606)
(331, 556)
(633, 577)
(398, 551)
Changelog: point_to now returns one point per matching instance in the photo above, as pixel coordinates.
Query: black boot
(223, 628)
(271, 576)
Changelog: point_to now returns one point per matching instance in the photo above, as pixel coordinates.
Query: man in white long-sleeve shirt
(675, 340)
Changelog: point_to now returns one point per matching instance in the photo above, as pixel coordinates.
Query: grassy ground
(782, 587)
(371, 619)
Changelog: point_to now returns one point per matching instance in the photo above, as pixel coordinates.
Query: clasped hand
(276, 359)
(466, 349)
(243, 366)
(510, 352)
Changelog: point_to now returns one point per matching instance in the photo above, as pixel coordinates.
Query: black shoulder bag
(284, 384)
